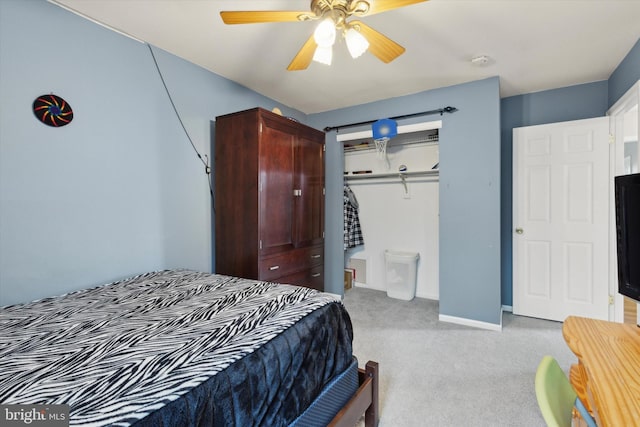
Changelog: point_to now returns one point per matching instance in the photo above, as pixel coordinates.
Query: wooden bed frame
(364, 401)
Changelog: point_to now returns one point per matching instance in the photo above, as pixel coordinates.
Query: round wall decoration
(52, 110)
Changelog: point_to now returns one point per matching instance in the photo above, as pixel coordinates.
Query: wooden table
(609, 352)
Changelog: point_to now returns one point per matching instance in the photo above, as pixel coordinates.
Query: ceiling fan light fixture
(325, 33)
(356, 42)
(323, 55)
(332, 17)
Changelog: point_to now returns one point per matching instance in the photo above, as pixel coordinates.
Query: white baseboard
(434, 297)
(470, 322)
(335, 296)
(364, 285)
(418, 295)
(508, 308)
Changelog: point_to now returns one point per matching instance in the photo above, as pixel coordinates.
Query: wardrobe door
(309, 185)
(276, 184)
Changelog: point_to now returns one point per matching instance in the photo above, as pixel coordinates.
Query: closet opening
(397, 197)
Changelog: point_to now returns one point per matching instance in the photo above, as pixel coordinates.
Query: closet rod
(440, 111)
(391, 175)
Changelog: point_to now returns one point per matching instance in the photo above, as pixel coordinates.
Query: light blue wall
(625, 75)
(570, 103)
(119, 191)
(469, 192)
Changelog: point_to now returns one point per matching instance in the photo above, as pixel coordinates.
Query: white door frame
(629, 100)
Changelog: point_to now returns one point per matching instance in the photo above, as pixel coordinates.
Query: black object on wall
(52, 110)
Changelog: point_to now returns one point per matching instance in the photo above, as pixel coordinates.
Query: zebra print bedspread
(175, 348)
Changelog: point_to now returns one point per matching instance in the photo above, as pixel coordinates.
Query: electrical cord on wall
(205, 160)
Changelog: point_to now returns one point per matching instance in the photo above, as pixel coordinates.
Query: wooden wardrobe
(269, 198)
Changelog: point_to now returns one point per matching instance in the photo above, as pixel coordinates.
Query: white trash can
(401, 271)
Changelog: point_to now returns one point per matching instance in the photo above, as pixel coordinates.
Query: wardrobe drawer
(311, 278)
(300, 278)
(316, 279)
(316, 255)
(283, 264)
(292, 261)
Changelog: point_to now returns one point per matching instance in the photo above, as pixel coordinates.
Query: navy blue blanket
(175, 348)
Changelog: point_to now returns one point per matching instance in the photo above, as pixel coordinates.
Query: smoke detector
(480, 60)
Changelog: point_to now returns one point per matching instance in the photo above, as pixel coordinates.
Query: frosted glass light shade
(325, 33)
(323, 55)
(356, 42)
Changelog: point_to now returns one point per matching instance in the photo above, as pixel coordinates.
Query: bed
(187, 348)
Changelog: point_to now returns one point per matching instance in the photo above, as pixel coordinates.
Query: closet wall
(391, 215)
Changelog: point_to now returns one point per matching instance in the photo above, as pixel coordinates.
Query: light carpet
(435, 373)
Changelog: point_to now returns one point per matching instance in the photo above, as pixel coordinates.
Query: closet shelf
(366, 145)
(401, 175)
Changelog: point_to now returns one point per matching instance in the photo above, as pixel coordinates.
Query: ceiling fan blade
(304, 56)
(260, 16)
(380, 45)
(377, 6)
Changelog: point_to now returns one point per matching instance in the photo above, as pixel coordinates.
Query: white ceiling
(534, 45)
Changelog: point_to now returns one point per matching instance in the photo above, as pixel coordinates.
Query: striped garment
(117, 352)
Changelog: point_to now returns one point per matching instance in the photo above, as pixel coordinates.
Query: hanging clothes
(352, 232)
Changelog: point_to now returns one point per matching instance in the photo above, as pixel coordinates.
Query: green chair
(556, 397)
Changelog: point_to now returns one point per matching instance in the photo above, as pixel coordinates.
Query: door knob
(519, 230)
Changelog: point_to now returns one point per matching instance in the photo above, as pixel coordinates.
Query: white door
(561, 220)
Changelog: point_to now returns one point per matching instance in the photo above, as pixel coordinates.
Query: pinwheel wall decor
(52, 110)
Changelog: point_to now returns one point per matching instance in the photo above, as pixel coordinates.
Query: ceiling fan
(333, 15)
